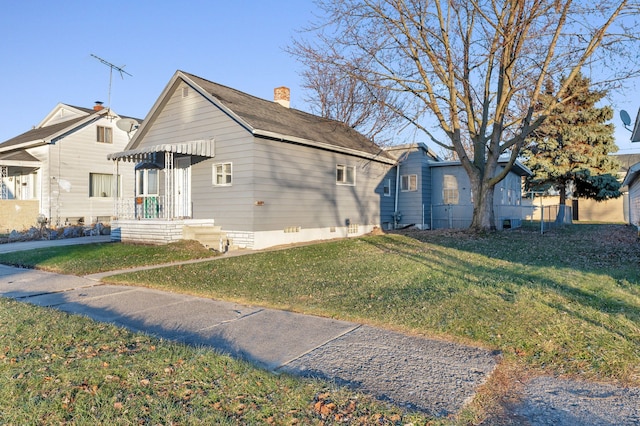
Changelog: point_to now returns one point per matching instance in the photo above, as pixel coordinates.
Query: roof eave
(52, 138)
(329, 147)
(631, 175)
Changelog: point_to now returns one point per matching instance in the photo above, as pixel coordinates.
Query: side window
(408, 183)
(345, 175)
(386, 188)
(222, 174)
(104, 134)
(450, 194)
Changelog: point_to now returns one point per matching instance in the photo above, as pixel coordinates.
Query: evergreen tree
(570, 150)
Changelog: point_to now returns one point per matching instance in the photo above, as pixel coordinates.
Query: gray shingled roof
(43, 133)
(272, 117)
(39, 133)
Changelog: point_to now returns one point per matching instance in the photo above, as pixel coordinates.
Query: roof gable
(62, 120)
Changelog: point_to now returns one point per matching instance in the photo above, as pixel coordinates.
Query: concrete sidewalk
(432, 376)
(30, 245)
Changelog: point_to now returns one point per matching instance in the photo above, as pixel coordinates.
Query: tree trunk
(483, 216)
(563, 204)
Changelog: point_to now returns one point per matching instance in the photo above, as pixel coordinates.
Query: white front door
(182, 191)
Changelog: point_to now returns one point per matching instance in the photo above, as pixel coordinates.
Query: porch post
(115, 190)
(168, 185)
(4, 173)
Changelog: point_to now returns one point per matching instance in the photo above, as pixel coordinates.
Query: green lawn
(564, 302)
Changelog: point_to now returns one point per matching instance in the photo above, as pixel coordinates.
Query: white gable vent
(185, 92)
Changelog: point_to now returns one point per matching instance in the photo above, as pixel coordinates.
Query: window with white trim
(101, 185)
(386, 188)
(345, 175)
(222, 174)
(450, 193)
(147, 182)
(104, 134)
(408, 183)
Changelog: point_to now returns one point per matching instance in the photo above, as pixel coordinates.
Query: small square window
(386, 188)
(104, 134)
(345, 175)
(222, 174)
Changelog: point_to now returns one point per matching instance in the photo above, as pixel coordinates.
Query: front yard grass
(567, 302)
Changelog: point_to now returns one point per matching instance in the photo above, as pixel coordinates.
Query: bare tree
(469, 73)
(345, 97)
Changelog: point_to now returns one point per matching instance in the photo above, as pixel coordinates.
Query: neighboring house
(59, 169)
(229, 169)
(588, 210)
(632, 180)
(436, 194)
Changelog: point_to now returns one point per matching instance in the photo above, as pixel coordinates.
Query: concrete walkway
(432, 376)
(30, 245)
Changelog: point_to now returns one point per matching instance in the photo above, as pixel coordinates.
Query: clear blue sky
(46, 47)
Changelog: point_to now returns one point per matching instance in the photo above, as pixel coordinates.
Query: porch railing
(141, 207)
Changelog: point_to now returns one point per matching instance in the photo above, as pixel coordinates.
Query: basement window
(105, 134)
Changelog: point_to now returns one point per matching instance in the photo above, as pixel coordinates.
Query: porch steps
(212, 237)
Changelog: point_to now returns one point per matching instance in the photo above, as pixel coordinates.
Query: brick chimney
(282, 95)
(98, 106)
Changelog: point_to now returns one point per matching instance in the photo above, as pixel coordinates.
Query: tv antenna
(111, 68)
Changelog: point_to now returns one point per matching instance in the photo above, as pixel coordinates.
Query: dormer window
(105, 134)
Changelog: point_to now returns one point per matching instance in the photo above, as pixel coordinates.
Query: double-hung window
(222, 174)
(450, 193)
(104, 134)
(345, 175)
(408, 183)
